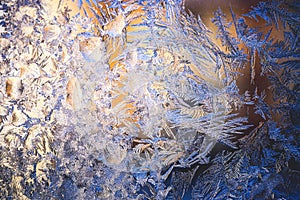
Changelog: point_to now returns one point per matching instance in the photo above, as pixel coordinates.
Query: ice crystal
(135, 100)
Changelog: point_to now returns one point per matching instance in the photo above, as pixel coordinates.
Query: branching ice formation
(130, 99)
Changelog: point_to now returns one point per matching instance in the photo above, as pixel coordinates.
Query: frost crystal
(135, 100)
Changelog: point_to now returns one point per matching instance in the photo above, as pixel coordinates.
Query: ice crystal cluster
(135, 100)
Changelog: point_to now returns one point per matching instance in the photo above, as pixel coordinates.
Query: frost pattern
(131, 100)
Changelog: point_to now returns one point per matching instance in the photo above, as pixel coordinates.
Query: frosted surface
(132, 100)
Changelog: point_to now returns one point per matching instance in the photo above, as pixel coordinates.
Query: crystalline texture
(114, 101)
